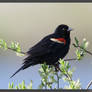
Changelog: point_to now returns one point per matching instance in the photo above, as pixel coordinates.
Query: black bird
(50, 49)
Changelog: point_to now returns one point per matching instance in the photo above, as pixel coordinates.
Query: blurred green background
(28, 23)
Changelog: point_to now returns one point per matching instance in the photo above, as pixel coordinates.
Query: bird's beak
(70, 29)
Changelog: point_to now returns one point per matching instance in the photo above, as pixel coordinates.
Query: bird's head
(63, 30)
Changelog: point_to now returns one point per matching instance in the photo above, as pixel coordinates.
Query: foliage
(50, 79)
(80, 49)
(14, 46)
(20, 85)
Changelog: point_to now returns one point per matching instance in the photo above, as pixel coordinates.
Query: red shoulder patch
(61, 40)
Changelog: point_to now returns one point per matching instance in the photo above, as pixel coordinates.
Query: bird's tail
(25, 65)
(17, 71)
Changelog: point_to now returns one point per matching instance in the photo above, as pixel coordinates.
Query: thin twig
(76, 58)
(46, 78)
(83, 49)
(46, 86)
(67, 75)
(89, 84)
(15, 51)
(57, 80)
(70, 59)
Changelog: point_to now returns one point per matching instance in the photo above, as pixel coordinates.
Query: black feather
(17, 71)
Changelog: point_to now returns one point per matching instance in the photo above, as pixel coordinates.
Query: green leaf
(23, 85)
(78, 54)
(9, 86)
(12, 45)
(53, 79)
(20, 86)
(12, 85)
(3, 44)
(18, 49)
(76, 41)
(74, 85)
(84, 44)
(16, 87)
(30, 85)
(67, 65)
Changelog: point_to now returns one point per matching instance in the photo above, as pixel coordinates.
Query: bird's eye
(63, 29)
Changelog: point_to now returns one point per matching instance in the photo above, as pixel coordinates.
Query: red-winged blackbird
(50, 49)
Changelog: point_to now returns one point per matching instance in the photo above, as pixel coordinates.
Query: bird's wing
(40, 48)
(44, 46)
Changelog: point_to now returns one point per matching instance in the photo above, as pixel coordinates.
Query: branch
(70, 59)
(89, 84)
(57, 80)
(15, 51)
(67, 75)
(83, 49)
(80, 48)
